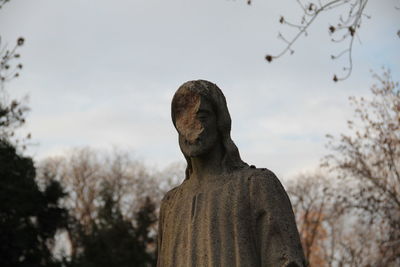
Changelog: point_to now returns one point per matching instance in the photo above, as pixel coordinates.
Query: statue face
(197, 126)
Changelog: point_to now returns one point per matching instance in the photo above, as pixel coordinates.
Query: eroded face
(187, 123)
(197, 125)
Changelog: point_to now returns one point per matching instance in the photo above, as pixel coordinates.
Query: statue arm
(276, 235)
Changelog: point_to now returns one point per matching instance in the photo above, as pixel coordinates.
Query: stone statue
(225, 213)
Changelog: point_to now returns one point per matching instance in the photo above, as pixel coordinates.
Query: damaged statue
(225, 212)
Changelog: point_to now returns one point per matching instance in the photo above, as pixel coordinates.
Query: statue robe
(241, 219)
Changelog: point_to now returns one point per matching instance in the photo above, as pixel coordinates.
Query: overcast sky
(102, 73)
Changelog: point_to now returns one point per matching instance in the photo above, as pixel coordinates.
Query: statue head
(201, 117)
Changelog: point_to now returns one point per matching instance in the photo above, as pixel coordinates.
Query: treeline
(112, 202)
(83, 209)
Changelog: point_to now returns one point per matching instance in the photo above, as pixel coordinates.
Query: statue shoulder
(263, 179)
(261, 174)
(169, 195)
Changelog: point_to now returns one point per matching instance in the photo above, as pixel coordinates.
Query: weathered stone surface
(225, 213)
(187, 122)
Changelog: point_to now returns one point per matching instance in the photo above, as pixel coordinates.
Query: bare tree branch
(3, 2)
(343, 30)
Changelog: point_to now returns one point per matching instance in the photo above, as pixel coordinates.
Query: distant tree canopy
(113, 204)
(33, 212)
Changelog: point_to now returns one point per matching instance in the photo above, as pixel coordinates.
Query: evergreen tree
(29, 217)
(115, 241)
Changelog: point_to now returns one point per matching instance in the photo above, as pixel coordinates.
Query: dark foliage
(29, 218)
(115, 241)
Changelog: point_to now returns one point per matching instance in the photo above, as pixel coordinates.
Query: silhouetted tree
(115, 241)
(29, 217)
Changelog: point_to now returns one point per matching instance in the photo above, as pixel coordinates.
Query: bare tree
(368, 160)
(84, 172)
(309, 204)
(329, 231)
